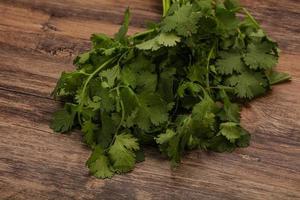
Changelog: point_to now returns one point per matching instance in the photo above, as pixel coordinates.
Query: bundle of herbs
(179, 85)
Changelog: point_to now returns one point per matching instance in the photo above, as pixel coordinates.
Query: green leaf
(278, 77)
(146, 81)
(111, 75)
(191, 87)
(183, 21)
(231, 111)
(128, 77)
(205, 105)
(169, 145)
(168, 39)
(166, 84)
(99, 164)
(88, 129)
(162, 40)
(248, 84)
(227, 19)
(258, 35)
(220, 143)
(230, 130)
(259, 56)
(174, 151)
(67, 84)
(129, 100)
(95, 103)
(122, 152)
(151, 44)
(63, 119)
(205, 6)
(102, 41)
(83, 58)
(121, 35)
(151, 110)
(172, 143)
(204, 117)
(197, 73)
(100, 95)
(107, 130)
(144, 109)
(230, 62)
(165, 137)
(140, 74)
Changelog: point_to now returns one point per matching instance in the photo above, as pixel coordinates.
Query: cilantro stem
(122, 110)
(84, 73)
(221, 87)
(93, 74)
(207, 66)
(202, 88)
(87, 82)
(121, 57)
(135, 96)
(122, 118)
(251, 17)
(141, 34)
(166, 6)
(119, 86)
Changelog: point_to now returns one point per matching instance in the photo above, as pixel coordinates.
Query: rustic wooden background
(39, 39)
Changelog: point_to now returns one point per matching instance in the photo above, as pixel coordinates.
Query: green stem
(87, 82)
(141, 34)
(166, 6)
(207, 66)
(122, 110)
(94, 73)
(203, 89)
(121, 57)
(136, 98)
(84, 73)
(122, 118)
(251, 17)
(221, 87)
(116, 88)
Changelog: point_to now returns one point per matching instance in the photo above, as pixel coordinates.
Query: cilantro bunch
(178, 86)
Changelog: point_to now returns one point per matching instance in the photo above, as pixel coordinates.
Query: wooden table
(39, 39)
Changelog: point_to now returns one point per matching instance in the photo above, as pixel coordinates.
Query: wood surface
(39, 39)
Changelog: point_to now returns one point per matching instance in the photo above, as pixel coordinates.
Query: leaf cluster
(179, 85)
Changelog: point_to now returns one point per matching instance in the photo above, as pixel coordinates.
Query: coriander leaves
(178, 86)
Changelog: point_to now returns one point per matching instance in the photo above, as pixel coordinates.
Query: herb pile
(179, 85)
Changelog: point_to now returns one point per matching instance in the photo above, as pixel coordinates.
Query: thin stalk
(251, 17)
(121, 57)
(93, 74)
(166, 6)
(221, 87)
(207, 66)
(141, 34)
(87, 82)
(120, 86)
(122, 118)
(123, 112)
(84, 73)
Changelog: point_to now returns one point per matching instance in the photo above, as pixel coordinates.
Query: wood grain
(39, 39)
